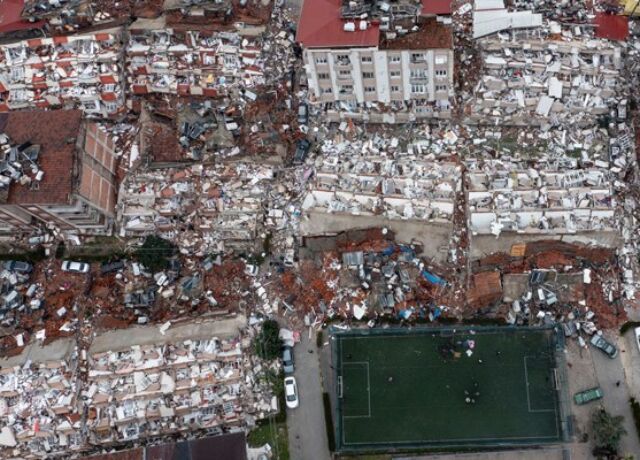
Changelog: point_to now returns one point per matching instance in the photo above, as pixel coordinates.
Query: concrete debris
(77, 71)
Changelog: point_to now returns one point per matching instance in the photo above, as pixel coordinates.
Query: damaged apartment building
(189, 63)
(186, 379)
(379, 61)
(56, 171)
(511, 201)
(412, 196)
(210, 209)
(529, 79)
(78, 71)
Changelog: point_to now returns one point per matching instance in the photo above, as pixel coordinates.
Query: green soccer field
(421, 388)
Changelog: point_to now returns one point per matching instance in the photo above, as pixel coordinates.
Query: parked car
(75, 267)
(636, 331)
(303, 114)
(302, 149)
(291, 392)
(109, 267)
(598, 342)
(18, 266)
(586, 396)
(287, 360)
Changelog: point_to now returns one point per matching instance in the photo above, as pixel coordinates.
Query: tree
(268, 343)
(154, 253)
(607, 432)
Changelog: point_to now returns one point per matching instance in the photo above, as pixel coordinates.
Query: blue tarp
(388, 251)
(433, 279)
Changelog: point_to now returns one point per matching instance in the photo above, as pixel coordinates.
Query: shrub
(329, 421)
(154, 253)
(635, 410)
(268, 344)
(607, 431)
(628, 326)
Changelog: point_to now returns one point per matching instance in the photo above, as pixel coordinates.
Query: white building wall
(356, 75)
(406, 74)
(310, 69)
(380, 63)
(431, 75)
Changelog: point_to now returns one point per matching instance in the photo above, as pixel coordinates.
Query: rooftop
(430, 7)
(320, 25)
(55, 132)
(11, 18)
(431, 34)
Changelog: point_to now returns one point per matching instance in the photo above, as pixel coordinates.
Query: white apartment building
(352, 64)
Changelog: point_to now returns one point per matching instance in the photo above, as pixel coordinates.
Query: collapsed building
(361, 54)
(413, 197)
(223, 206)
(78, 71)
(189, 63)
(190, 378)
(67, 179)
(529, 79)
(556, 200)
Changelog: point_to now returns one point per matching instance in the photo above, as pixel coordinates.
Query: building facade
(74, 188)
(352, 65)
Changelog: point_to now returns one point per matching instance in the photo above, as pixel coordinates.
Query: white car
(75, 267)
(636, 331)
(291, 392)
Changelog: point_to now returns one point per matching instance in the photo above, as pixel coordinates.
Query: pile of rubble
(18, 163)
(70, 71)
(190, 63)
(204, 383)
(529, 79)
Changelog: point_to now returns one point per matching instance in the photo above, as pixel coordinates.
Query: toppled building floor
(191, 377)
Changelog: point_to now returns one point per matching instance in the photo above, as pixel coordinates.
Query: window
(395, 89)
(366, 59)
(394, 58)
(441, 60)
(441, 87)
(17, 73)
(111, 106)
(418, 73)
(417, 57)
(321, 60)
(369, 89)
(346, 89)
(323, 76)
(344, 73)
(343, 59)
(418, 89)
(441, 73)
(326, 90)
(367, 74)
(394, 74)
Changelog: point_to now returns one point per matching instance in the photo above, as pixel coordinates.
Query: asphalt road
(306, 425)
(616, 398)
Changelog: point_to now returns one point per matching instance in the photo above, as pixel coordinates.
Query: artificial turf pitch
(411, 389)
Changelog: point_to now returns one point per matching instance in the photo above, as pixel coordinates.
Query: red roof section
(612, 27)
(55, 132)
(11, 17)
(321, 26)
(436, 7)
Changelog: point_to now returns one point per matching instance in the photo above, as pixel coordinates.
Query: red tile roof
(436, 7)
(321, 26)
(56, 133)
(11, 17)
(612, 27)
